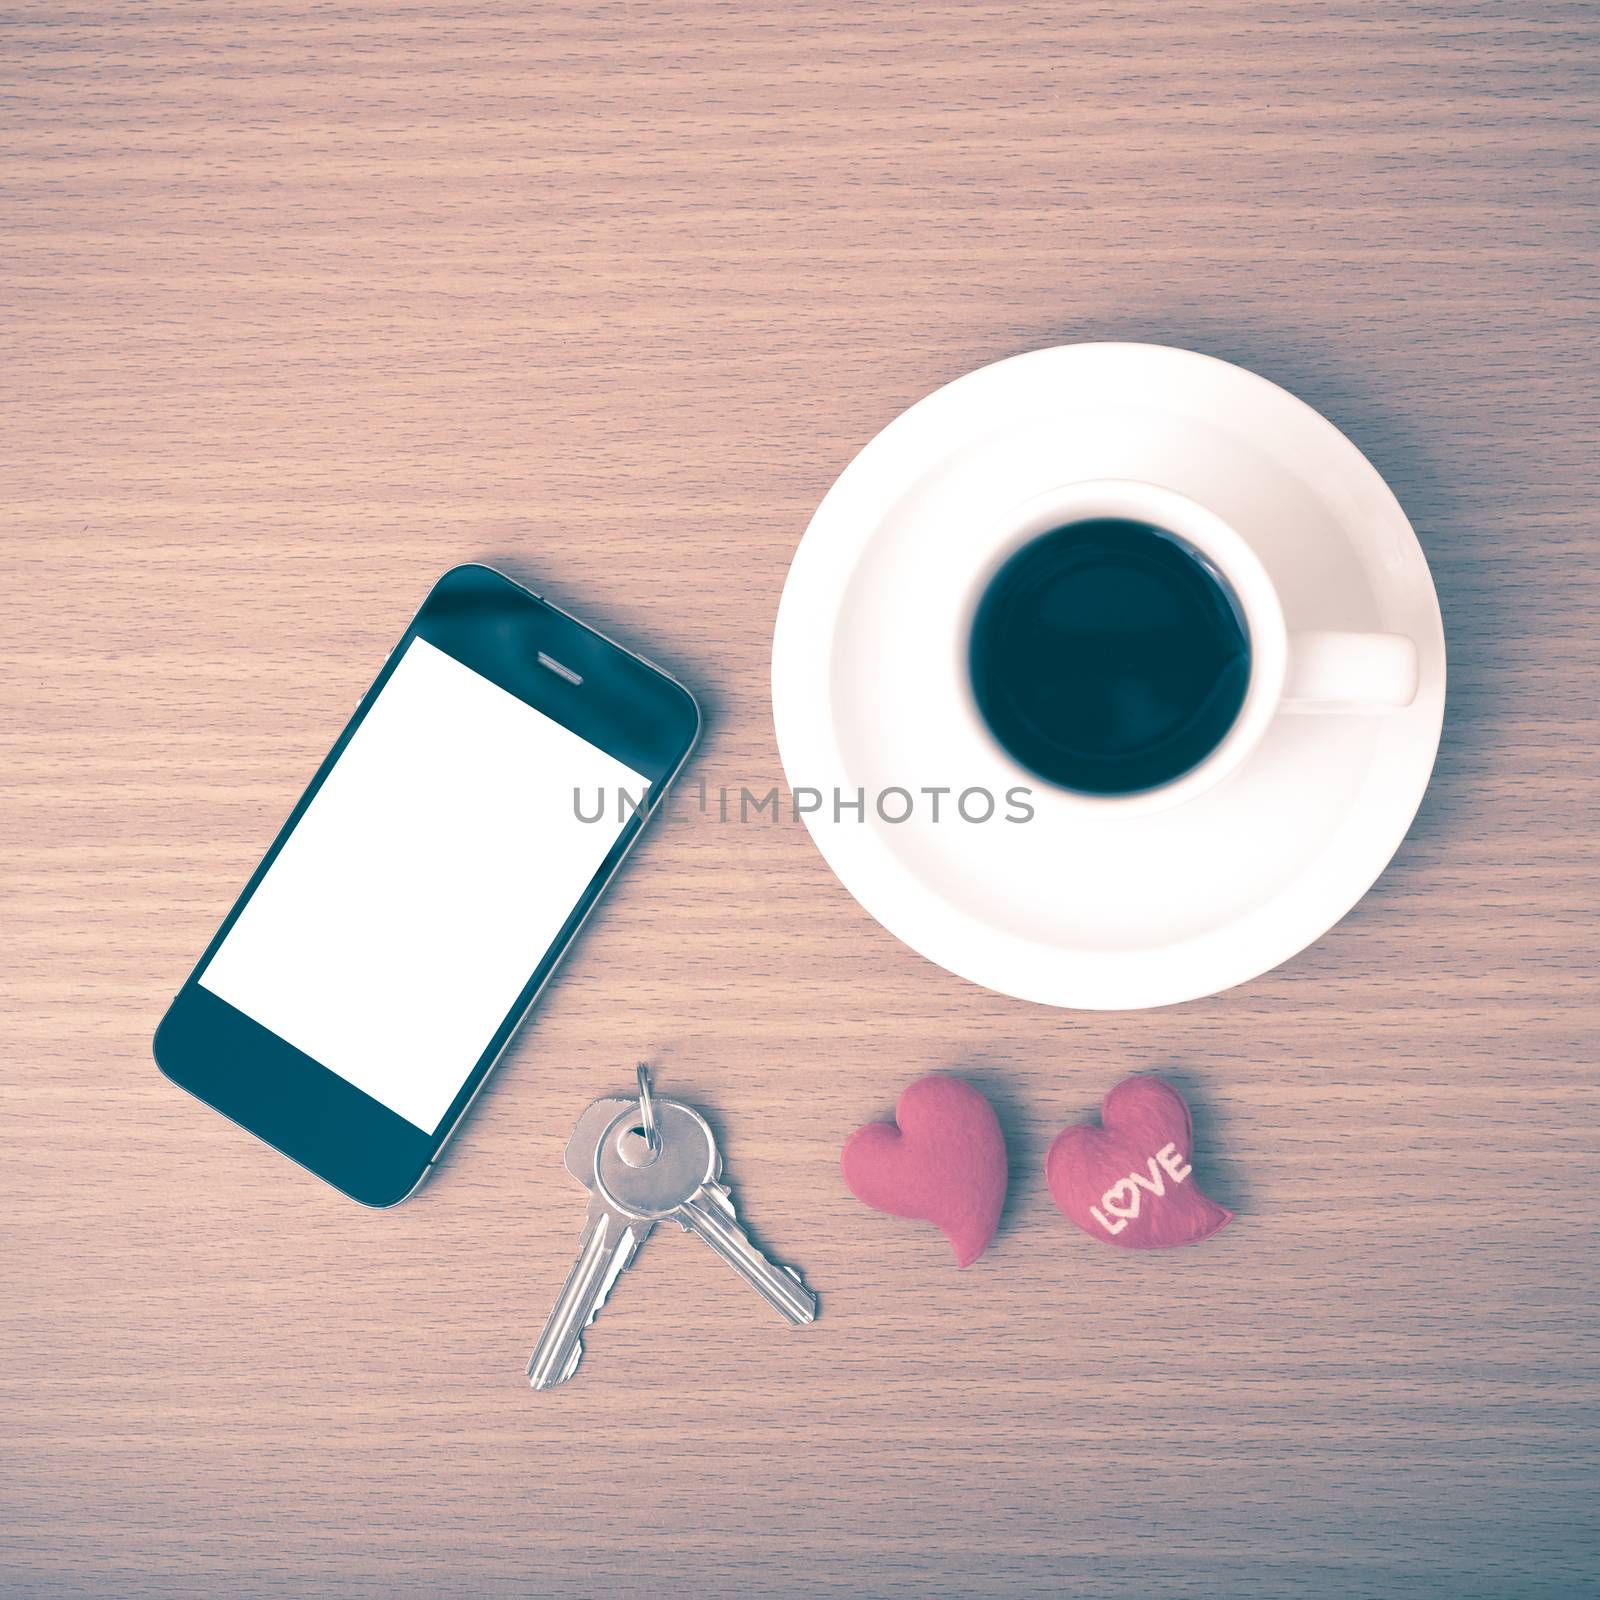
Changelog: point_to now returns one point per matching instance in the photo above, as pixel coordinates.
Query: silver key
(681, 1182)
(608, 1244)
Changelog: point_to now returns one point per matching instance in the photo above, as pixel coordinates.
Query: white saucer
(1099, 912)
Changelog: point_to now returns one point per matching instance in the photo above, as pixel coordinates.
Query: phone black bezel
(625, 705)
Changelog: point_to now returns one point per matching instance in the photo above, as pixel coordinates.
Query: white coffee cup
(1290, 673)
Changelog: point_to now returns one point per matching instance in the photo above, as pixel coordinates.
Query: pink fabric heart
(942, 1160)
(1129, 1182)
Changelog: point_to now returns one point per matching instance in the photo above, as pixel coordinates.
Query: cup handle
(1350, 672)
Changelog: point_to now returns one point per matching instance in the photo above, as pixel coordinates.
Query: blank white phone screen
(423, 885)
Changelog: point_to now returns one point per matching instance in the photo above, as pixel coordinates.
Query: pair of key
(646, 1161)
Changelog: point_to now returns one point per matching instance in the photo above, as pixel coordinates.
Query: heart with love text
(1130, 1181)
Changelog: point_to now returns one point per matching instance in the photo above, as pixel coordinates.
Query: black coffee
(1108, 658)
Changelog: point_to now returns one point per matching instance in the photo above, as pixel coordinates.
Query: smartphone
(427, 883)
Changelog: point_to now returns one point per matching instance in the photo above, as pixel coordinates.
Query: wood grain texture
(301, 304)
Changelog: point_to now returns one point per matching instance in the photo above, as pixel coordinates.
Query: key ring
(647, 1111)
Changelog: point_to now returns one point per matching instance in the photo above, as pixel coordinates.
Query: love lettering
(1122, 1200)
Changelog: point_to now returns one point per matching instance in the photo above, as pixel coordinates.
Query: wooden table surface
(302, 304)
